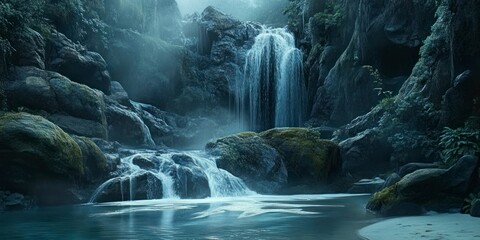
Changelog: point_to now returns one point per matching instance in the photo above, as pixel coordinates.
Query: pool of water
(251, 217)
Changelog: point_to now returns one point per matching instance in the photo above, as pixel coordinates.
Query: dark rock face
(412, 167)
(30, 50)
(78, 64)
(95, 164)
(287, 160)
(191, 182)
(365, 155)
(383, 37)
(38, 158)
(446, 188)
(51, 92)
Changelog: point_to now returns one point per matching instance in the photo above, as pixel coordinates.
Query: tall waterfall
(272, 92)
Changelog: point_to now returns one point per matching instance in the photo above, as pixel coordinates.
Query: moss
(304, 149)
(386, 197)
(35, 142)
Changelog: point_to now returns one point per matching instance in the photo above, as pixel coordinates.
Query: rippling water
(252, 217)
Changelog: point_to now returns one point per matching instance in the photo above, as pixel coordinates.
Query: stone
(446, 189)
(29, 49)
(38, 158)
(366, 155)
(142, 186)
(412, 167)
(191, 182)
(143, 163)
(95, 164)
(78, 64)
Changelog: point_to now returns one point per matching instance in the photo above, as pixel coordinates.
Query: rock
(29, 49)
(458, 101)
(290, 160)
(144, 185)
(38, 158)
(119, 94)
(78, 64)
(191, 182)
(366, 154)
(391, 180)
(125, 126)
(412, 167)
(252, 159)
(183, 160)
(367, 186)
(78, 126)
(310, 160)
(446, 189)
(475, 211)
(77, 108)
(143, 163)
(95, 164)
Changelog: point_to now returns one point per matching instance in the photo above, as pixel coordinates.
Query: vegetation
(328, 20)
(456, 143)
(467, 204)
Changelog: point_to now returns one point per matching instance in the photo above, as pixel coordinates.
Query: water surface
(252, 217)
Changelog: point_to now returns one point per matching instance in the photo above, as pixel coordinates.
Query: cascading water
(272, 92)
(148, 174)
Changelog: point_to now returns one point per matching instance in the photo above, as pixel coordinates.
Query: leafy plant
(458, 142)
(468, 202)
(294, 13)
(329, 19)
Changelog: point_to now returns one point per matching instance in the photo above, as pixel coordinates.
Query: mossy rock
(94, 161)
(291, 160)
(35, 151)
(308, 157)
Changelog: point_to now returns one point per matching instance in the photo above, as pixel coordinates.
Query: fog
(263, 11)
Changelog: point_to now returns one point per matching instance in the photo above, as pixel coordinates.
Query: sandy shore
(428, 227)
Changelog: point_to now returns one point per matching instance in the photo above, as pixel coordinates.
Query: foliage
(329, 19)
(468, 202)
(294, 13)
(378, 82)
(456, 143)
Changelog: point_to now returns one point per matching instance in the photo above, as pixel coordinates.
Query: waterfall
(272, 92)
(164, 177)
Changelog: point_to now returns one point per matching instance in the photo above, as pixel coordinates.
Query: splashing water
(164, 176)
(272, 92)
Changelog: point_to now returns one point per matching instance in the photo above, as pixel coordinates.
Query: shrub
(456, 143)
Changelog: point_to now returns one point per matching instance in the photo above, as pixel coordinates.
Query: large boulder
(446, 188)
(67, 101)
(38, 158)
(75, 62)
(95, 164)
(252, 159)
(289, 160)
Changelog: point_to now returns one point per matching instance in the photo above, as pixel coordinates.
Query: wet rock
(191, 183)
(119, 94)
(183, 160)
(143, 163)
(14, 202)
(78, 64)
(125, 126)
(78, 126)
(140, 186)
(446, 189)
(391, 180)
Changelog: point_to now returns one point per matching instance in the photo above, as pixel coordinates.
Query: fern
(456, 143)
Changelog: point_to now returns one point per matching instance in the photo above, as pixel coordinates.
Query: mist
(264, 11)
